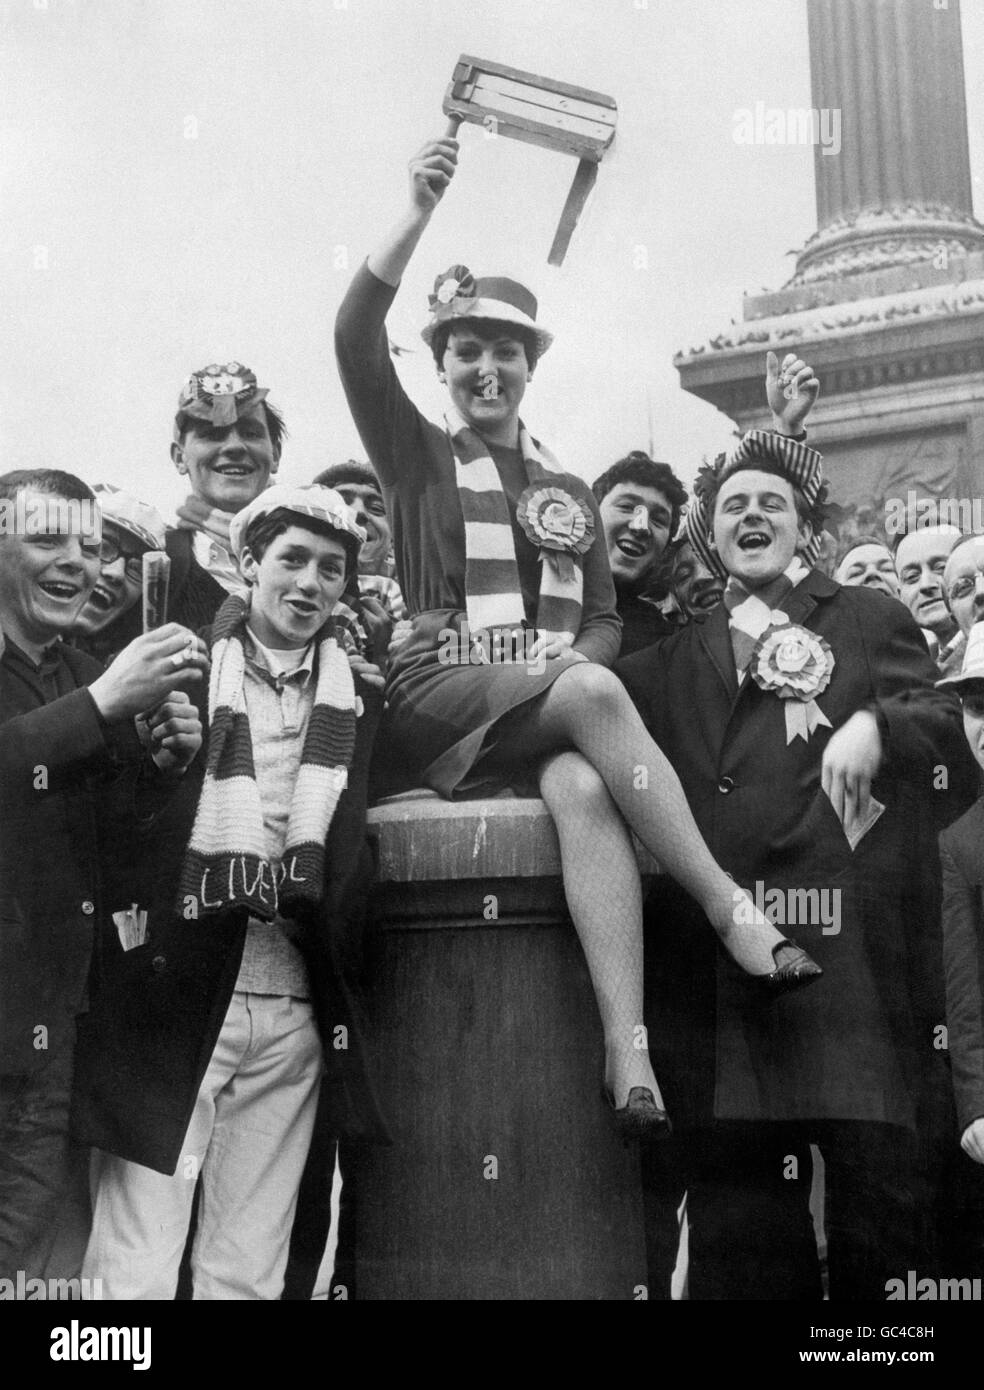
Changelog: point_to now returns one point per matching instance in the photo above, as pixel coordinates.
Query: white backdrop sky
(187, 182)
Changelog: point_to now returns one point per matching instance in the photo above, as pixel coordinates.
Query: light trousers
(248, 1138)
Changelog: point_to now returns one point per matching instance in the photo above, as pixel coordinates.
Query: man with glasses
(112, 614)
(963, 583)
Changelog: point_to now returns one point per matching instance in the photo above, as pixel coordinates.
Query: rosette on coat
(560, 525)
(796, 665)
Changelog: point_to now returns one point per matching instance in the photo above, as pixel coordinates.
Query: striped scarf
(493, 597)
(227, 863)
(751, 614)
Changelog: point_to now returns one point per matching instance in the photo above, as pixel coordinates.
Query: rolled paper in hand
(156, 574)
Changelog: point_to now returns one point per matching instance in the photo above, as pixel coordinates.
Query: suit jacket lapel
(801, 601)
(715, 636)
(715, 639)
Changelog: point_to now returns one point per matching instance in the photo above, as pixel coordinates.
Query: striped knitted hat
(799, 464)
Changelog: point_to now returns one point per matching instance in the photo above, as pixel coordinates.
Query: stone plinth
(506, 1179)
(887, 303)
(900, 357)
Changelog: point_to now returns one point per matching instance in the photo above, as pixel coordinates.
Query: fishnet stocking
(604, 895)
(589, 708)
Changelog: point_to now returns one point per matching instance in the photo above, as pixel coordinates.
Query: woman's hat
(137, 518)
(458, 295)
(973, 662)
(306, 502)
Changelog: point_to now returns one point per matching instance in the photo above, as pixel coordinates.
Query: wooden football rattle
(540, 111)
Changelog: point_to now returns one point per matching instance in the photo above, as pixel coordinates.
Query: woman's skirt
(447, 700)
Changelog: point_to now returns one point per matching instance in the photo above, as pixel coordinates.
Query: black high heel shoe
(794, 969)
(640, 1118)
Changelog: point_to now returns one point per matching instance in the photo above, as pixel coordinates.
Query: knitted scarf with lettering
(227, 864)
(493, 597)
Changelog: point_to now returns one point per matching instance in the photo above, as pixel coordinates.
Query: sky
(186, 183)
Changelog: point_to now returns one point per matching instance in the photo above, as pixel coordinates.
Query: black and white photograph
(492, 665)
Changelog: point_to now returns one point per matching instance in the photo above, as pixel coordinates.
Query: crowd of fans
(185, 880)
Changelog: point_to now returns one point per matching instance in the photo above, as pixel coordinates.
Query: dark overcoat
(157, 1009)
(71, 794)
(860, 1043)
(962, 855)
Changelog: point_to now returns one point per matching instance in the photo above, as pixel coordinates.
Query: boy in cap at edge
(963, 957)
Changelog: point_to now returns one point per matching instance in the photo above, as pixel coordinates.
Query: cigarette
(185, 656)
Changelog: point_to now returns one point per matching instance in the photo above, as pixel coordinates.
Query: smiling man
(228, 1023)
(227, 443)
(696, 588)
(869, 562)
(75, 782)
(920, 563)
(963, 582)
(112, 615)
(798, 714)
(640, 502)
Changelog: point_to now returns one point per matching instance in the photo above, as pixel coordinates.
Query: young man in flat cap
(227, 443)
(802, 720)
(205, 1049)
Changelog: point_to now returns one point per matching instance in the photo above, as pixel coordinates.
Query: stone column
(887, 302)
(899, 187)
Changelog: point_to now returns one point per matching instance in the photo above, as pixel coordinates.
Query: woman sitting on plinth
(502, 562)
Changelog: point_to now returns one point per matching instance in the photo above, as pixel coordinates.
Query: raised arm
(387, 421)
(431, 170)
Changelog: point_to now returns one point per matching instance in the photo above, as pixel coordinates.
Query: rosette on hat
(454, 294)
(560, 524)
(220, 393)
